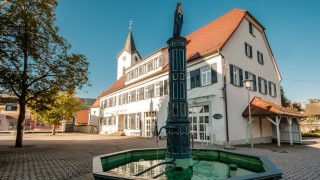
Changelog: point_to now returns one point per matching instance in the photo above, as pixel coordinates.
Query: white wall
(94, 116)
(122, 63)
(234, 53)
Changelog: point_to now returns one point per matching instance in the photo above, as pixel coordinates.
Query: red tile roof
(82, 117)
(214, 35)
(261, 107)
(208, 38)
(96, 104)
(119, 84)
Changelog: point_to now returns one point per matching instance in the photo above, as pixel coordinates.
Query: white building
(220, 56)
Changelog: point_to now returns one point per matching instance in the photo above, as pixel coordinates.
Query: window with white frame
(252, 77)
(262, 85)
(137, 121)
(122, 99)
(114, 101)
(155, 63)
(146, 68)
(272, 89)
(146, 91)
(205, 75)
(236, 76)
(157, 87)
(260, 57)
(188, 81)
(129, 97)
(248, 50)
(128, 121)
(108, 103)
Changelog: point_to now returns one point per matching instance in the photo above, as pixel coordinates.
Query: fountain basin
(250, 167)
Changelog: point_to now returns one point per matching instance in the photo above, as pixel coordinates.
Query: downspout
(224, 91)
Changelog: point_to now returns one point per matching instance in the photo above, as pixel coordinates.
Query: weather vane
(130, 25)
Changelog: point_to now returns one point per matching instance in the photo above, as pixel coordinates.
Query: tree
(34, 59)
(53, 109)
(284, 100)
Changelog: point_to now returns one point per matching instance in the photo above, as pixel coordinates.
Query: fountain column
(178, 125)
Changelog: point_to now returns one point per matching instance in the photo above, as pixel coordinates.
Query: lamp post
(248, 83)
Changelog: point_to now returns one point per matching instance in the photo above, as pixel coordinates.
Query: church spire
(129, 46)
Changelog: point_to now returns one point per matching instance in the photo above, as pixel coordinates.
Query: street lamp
(248, 83)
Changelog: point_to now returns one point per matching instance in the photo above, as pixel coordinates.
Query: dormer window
(251, 29)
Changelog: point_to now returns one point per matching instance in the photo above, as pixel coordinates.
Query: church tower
(129, 56)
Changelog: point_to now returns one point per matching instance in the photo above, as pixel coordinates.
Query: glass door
(199, 119)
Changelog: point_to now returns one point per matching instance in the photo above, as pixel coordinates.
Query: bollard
(192, 140)
(232, 170)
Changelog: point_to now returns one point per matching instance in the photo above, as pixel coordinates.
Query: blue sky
(98, 29)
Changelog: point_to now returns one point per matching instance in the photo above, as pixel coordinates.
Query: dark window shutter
(259, 84)
(254, 82)
(133, 96)
(133, 120)
(269, 84)
(250, 51)
(214, 74)
(246, 75)
(231, 74)
(245, 49)
(198, 80)
(275, 90)
(151, 92)
(161, 88)
(141, 93)
(241, 77)
(193, 79)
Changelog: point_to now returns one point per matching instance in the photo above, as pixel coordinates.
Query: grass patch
(315, 134)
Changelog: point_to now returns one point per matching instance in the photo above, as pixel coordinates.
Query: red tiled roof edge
(261, 107)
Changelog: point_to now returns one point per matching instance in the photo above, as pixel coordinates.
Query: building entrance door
(199, 119)
(151, 123)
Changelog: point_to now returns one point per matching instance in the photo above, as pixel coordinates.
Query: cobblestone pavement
(69, 155)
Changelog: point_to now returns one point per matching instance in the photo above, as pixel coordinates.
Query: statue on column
(178, 21)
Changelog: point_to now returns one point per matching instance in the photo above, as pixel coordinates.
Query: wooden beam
(271, 121)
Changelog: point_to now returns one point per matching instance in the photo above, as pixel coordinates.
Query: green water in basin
(201, 170)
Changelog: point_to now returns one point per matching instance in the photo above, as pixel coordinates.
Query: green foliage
(34, 59)
(311, 134)
(284, 100)
(54, 108)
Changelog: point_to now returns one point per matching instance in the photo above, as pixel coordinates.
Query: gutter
(224, 91)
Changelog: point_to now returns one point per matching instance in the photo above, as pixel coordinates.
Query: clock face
(124, 58)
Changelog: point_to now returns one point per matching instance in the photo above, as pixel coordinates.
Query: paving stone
(69, 155)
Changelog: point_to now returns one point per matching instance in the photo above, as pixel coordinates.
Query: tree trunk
(22, 114)
(54, 129)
